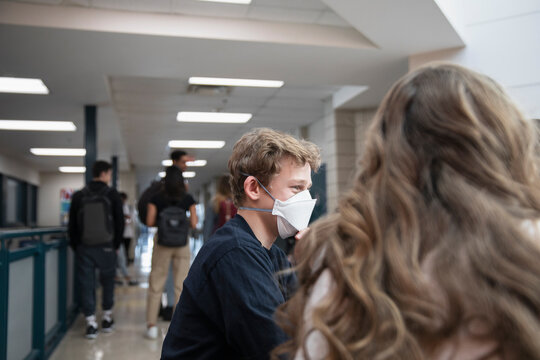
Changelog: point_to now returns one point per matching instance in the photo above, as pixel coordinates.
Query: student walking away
(434, 252)
(179, 159)
(128, 227)
(96, 226)
(223, 204)
(123, 252)
(234, 285)
(167, 209)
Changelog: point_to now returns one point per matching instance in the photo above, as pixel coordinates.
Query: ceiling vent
(209, 90)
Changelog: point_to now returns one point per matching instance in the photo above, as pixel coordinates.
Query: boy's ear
(252, 188)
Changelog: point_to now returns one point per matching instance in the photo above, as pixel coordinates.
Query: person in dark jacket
(96, 226)
(235, 283)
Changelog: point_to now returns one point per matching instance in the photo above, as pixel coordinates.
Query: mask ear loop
(257, 209)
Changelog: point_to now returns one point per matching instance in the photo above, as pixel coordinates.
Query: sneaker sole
(91, 337)
(107, 330)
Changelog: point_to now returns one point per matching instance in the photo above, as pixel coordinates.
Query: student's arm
(118, 216)
(249, 296)
(73, 230)
(193, 216)
(151, 215)
(316, 344)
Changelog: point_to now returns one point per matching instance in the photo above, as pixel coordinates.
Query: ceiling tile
(297, 4)
(332, 19)
(201, 8)
(160, 6)
(43, 2)
(268, 13)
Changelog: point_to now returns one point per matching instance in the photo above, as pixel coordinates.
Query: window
(31, 205)
(18, 201)
(15, 202)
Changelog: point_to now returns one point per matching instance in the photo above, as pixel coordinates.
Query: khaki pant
(161, 260)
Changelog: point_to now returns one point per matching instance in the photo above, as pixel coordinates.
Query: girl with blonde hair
(434, 253)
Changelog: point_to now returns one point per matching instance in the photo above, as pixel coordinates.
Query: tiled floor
(127, 341)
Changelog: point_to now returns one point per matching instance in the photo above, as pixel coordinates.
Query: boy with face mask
(232, 291)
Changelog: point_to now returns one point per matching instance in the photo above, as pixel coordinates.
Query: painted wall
(127, 182)
(18, 169)
(340, 135)
(503, 41)
(52, 183)
(49, 195)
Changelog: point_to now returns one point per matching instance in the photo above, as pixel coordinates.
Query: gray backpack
(173, 226)
(95, 220)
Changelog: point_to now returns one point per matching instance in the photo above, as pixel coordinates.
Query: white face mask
(293, 214)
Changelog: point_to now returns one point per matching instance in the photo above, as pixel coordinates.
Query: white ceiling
(295, 11)
(136, 71)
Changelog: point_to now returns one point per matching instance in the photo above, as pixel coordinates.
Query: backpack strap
(176, 202)
(104, 191)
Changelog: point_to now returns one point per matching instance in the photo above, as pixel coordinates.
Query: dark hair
(177, 154)
(123, 196)
(100, 167)
(173, 183)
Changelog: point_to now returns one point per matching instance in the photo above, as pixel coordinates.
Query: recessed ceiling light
(22, 86)
(33, 125)
(189, 174)
(197, 144)
(242, 2)
(196, 163)
(72, 169)
(58, 152)
(213, 117)
(235, 82)
(161, 174)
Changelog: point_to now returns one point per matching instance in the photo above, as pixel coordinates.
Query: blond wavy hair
(450, 169)
(259, 153)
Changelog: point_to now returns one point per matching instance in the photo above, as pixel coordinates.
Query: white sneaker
(152, 332)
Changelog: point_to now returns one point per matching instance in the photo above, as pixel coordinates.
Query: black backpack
(95, 220)
(142, 204)
(173, 226)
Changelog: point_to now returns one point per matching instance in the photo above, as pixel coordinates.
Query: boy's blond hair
(259, 153)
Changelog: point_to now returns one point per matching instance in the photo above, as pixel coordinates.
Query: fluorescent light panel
(33, 125)
(72, 169)
(57, 152)
(22, 86)
(197, 144)
(242, 2)
(186, 174)
(213, 117)
(235, 82)
(196, 163)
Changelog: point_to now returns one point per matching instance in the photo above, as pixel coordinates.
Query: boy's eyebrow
(301, 181)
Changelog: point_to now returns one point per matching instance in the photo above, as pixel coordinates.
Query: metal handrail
(13, 234)
(10, 234)
(42, 343)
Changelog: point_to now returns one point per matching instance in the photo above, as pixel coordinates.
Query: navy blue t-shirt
(229, 298)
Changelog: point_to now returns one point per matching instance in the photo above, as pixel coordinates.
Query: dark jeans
(88, 260)
(127, 244)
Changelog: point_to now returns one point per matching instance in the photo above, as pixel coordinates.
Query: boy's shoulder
(232, 239)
